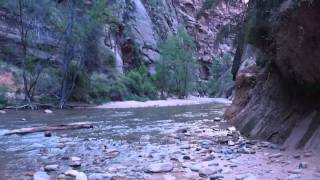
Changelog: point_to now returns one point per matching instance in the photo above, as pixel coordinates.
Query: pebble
(231, 143)
(48, 111)
(2, 112)
(52, 167)
(40, 175)
(23, 119)
(295, 171)
(186, 157)
(303, 165)
(61, 177)
(294, 176)
(217, 119)
(81, 176)
(275, 155)
(207, 171)
(47, 134)
(160, 168)
(99, 176)
(75, 161)
(72, 173)
(307, 154)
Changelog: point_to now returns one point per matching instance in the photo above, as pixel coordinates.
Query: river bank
(163, 103)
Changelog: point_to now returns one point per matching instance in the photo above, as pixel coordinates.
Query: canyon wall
(277, 83)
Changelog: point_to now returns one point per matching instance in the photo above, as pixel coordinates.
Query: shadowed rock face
(283, 104)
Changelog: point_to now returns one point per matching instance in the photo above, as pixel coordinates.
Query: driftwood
(22, 131)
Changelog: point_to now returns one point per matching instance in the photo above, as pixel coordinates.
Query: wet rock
(296, 156)
(307, 154)
(111, 153)
(40, 175)
(294, 176)
(278, 155)
(186, 157)
(216, 177)
(246, 177)
(61, 177)
(160, 168)
(52, 167)
(207, 171)
(75, 161)
(197, 167)
(245, 150)
(47, 134)
(182, 130)
(23, 119)
(99, 176)
(250, 177)
(185, 146)
(231, 143)
(72, 173)
(303, 165)
(217, 119)
(81, 176)
(295, 171)
(48, 111)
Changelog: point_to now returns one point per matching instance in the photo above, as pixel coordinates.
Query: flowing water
(123, 144)
(133, 132)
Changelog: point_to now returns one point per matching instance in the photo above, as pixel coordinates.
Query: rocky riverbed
(167, 143)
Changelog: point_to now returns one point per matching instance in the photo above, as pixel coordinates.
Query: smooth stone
(52, 167)
(2, 112)
(160, 168)
(205, 172)
(217, 119)
(75, 164)
(81, 176)
(251, 177)
(41, 175)
(275, 155)
(231, 143)
(48, 111)
(294, 176)
(307, 154)
(99, 176)
(72, 173)
(296, 171)
(23, 119)
(74, 158)
(61, 177)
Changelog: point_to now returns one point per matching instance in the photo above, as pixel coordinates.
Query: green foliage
(221, 78)
(176, 69)
(140, 84)
(135, 85)
(3, 100)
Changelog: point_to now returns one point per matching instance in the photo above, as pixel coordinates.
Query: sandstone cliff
(277, 85)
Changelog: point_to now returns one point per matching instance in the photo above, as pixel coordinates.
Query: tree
(176, 70)
(28, 16)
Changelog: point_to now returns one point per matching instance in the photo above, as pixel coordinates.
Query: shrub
(3, 100)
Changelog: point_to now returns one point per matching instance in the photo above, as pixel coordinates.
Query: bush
(140, 85)
(3, 100)
(135, 85)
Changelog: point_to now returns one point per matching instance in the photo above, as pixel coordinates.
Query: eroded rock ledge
(279, 101)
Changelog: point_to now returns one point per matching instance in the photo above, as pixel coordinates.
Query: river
(125, 142)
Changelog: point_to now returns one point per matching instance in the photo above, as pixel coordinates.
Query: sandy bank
(163, 103)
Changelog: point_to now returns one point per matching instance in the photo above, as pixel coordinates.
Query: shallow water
(124, 129)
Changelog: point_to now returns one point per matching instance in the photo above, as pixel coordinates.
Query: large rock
(40, 175)
(160, 168)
